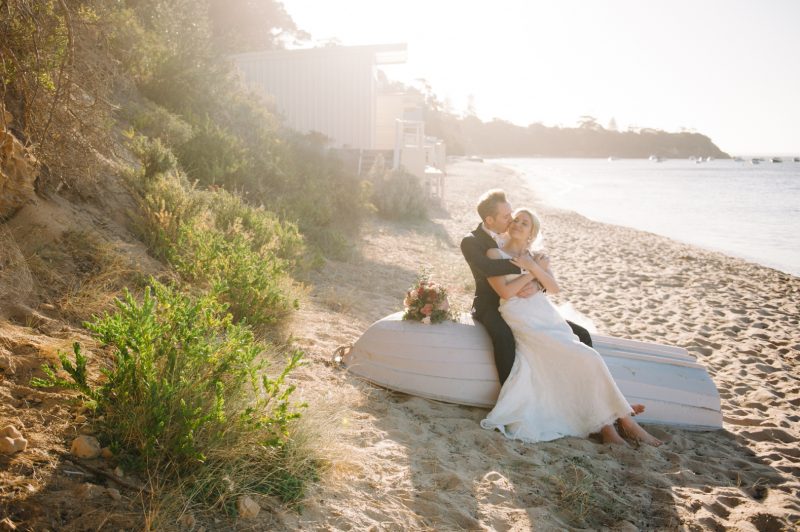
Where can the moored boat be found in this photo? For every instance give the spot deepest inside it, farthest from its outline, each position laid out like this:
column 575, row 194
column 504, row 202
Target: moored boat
column 453, row 362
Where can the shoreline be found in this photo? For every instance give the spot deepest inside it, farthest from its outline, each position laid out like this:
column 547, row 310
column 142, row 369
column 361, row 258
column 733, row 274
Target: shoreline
column 403, row 462
column 786, row 267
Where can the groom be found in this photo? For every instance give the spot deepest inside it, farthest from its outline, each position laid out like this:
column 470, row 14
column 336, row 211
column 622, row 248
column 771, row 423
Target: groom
column 495, row 211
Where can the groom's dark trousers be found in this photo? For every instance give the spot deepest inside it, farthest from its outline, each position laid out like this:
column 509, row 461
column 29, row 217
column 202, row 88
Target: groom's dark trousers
column 486, row 302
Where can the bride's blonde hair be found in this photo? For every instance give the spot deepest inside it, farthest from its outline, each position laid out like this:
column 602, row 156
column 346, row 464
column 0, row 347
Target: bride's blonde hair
column 535, row 222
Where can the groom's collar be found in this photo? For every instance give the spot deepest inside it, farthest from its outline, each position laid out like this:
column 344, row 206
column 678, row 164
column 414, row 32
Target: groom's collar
column 489, row 231
column 494, row 236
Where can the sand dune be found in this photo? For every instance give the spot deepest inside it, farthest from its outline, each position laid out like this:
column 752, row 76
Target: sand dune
column 402, row 462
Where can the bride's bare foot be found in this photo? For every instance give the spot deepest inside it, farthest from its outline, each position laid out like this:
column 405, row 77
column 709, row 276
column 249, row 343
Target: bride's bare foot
column 637, row 409
column 610, row 435
column 634, row 431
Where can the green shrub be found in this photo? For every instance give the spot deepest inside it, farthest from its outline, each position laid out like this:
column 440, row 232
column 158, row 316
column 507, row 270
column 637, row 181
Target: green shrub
column 242, row 254
column 183, row 370
column 213, row 156
column 155, row 121
column 155, row 157
column 263, row 227
column 254, row 284
column 77, row 373
column 399, row 195
column 166, row 204
column 188, row 390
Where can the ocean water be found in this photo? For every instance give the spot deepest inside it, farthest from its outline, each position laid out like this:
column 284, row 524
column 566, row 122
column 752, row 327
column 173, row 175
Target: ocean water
column 737, row 208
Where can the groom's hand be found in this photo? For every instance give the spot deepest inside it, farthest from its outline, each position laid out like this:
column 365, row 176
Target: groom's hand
column 528, row 290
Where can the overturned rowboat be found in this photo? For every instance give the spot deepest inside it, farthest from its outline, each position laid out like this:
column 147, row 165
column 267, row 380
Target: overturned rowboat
column 453, row 362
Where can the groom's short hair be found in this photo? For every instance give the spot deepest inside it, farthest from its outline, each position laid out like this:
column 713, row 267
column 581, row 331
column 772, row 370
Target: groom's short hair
column 488, row 202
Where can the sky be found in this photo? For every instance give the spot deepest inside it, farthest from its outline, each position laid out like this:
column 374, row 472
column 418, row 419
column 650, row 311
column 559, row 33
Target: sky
column 729, row 69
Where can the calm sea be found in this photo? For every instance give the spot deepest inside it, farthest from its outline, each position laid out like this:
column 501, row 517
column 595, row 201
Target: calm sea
column 737, row 208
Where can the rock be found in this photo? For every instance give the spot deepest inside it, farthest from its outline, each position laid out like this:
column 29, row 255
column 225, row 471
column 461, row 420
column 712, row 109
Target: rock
column 87, row 490
column 80, row 419
column 248, row 508
column 114, row 494
column 10, row 431
column 11, row 440
column 18, row 171
column 106, row 453
column 7, row 445
column 187, row 521
column 85, row 447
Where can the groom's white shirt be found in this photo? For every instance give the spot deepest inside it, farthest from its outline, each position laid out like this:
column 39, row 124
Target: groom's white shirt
column 499, row 240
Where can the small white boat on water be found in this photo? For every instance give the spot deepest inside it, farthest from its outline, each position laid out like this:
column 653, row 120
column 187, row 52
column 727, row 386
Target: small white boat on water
column 453, row 362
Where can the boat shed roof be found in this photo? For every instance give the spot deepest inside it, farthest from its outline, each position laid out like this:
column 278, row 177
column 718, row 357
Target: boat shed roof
column 383, row 54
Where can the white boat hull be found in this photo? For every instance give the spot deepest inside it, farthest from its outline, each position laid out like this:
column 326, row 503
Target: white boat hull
column 453, row 362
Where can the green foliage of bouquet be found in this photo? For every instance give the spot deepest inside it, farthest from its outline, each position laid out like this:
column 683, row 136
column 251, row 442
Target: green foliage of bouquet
column 427, row 302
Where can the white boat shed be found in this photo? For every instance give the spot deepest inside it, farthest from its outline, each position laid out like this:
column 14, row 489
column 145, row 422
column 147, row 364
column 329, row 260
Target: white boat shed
column 337, row 91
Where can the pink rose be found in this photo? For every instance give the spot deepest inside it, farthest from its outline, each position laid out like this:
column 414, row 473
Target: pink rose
column 427, row 309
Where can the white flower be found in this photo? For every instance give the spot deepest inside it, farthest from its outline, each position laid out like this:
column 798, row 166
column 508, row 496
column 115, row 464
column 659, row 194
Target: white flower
column 426, row 320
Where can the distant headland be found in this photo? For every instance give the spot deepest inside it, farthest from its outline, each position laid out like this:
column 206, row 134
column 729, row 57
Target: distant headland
column 498, row 138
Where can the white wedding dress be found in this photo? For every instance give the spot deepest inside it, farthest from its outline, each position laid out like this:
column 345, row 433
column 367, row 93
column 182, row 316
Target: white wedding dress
column 557, row 386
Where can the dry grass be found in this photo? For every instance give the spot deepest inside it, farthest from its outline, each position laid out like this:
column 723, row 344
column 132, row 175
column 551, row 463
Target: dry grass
column 183, row 505
column 338, row 299
column 585, row 498
column 92, row 292
column 16, row 281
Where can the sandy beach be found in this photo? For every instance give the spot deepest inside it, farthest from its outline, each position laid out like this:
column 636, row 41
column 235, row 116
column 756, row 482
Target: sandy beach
column 398, row 462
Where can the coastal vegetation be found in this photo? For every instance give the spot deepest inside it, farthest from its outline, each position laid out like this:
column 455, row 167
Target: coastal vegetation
column 184, row 378
column 469, row 135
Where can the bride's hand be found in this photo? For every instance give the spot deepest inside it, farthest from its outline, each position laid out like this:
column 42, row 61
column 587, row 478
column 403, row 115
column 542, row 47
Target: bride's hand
column 524, row 261
column 542, row 260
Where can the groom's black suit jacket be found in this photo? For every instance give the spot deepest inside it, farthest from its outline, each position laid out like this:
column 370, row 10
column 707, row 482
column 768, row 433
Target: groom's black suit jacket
column 474, row 247
column 486, row 302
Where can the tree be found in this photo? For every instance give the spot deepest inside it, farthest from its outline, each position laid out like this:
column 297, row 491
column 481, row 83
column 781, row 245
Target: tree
column 588, row 122
column 248, row 25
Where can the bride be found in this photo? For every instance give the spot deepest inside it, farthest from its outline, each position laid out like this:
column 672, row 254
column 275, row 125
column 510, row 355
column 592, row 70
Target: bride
column 557, row 386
